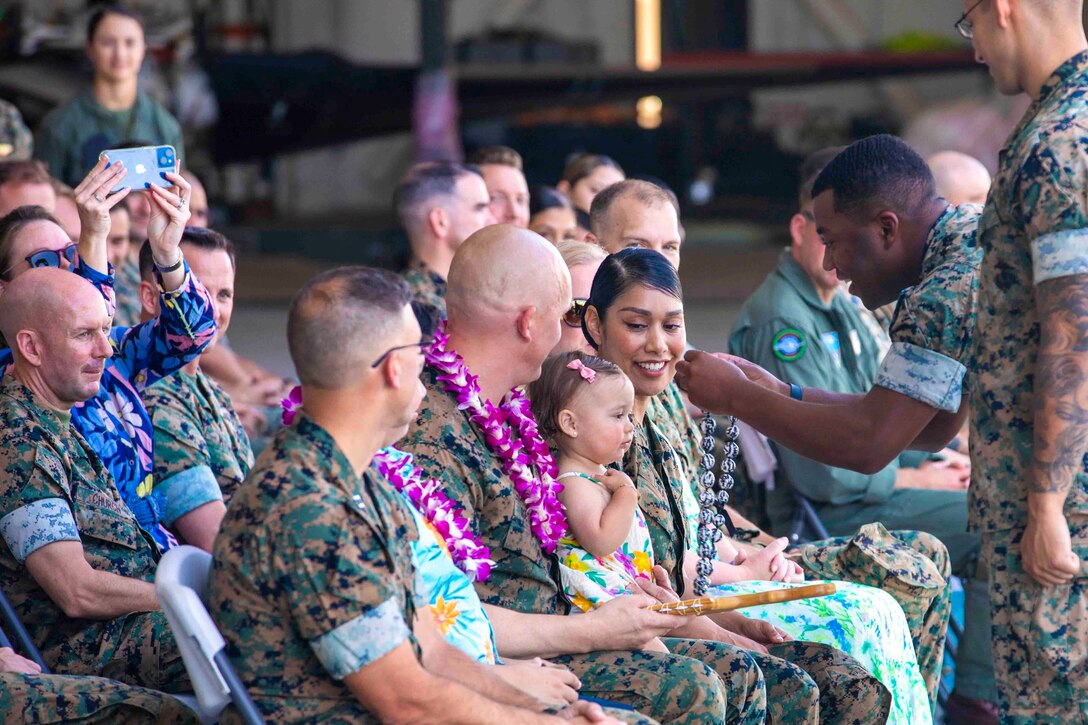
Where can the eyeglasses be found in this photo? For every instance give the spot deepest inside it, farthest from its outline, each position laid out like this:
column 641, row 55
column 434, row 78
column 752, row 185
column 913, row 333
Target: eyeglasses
column 423, row 345
column 573, row 316
column 46, row 258
column 964, row 26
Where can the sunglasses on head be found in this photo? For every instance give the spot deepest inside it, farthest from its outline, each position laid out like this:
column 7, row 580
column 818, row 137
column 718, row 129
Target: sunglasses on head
column 573, row 316
column 47, row 258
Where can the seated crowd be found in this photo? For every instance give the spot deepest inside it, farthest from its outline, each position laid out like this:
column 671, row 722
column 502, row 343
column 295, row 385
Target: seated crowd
column 489, row 470
column 408, row 547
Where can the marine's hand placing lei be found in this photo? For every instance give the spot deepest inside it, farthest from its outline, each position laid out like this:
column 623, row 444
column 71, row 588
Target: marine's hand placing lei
column 512, row 435
column 465, row 548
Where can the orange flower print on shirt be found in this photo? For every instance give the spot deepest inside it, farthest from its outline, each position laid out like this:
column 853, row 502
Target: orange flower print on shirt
column 445, row 614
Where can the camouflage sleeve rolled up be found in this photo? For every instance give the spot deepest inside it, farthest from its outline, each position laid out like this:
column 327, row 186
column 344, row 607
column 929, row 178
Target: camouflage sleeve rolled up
column 922, row 374
column 339, row 588
column 183, row 465
column 933, row 325
column 154, row 349
column 34, row 509
column 1051, row 188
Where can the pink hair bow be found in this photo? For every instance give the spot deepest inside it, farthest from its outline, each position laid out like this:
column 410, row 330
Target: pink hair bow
column 588, row 374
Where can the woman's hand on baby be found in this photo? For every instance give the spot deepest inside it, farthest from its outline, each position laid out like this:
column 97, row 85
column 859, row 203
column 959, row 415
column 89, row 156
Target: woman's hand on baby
column 614, row 480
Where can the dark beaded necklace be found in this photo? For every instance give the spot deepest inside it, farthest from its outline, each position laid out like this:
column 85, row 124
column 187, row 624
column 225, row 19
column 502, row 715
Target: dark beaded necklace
column 714, row 496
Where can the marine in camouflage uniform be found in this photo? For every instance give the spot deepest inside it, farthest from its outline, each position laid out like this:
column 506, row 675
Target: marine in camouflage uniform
column 912, row 566
column 197, row 435
column 16, row 143
column 64, row 698
column 427, row 286
column 55, row 488
column 312, row 578
column 1033, row 230
column 669, row 688
column 805, row 680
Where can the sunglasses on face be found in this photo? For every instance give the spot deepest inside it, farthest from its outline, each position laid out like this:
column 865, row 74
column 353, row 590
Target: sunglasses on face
column 47, row 258
column 573, row 316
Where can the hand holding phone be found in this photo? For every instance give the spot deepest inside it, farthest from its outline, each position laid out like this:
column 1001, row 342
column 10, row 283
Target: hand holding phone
column 146, row 166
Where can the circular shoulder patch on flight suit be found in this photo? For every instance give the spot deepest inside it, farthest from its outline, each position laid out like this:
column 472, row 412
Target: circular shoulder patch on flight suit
column 788, row 345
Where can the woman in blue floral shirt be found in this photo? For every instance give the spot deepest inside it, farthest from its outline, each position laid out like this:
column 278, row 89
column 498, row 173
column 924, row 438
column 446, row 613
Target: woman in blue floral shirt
column 115, row 422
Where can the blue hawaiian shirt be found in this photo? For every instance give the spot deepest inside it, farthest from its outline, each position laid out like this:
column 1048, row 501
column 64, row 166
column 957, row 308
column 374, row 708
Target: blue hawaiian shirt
column 115, row 422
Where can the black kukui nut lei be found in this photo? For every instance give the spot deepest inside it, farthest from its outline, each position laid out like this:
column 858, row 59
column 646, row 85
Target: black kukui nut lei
column 713, row 497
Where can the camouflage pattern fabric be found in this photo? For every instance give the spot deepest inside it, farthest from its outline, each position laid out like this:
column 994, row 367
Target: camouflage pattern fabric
column 657, row 473
column 115, row 421
column 55, row 488
column 427, row 286
column 16, row 142
column 668, row 688
column 905, row 568
column 197, row 433
column 46, row 699
column 934, row 320
column 912, row 566
column 1031, row 231
column 312, row 578
column 1040, row 633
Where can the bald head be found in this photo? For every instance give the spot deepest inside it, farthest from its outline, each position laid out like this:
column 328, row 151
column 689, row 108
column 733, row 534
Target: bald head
column 58, row 327
column 502, row 269
column 961, row 179
column 41, row 296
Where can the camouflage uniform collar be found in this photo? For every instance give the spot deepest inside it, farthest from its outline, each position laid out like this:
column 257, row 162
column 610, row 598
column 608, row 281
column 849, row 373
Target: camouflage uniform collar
column 1064, row 75
column 795, row 275
column 56, row 422
column 332, row 467
column 945, row 235
column 418, row 265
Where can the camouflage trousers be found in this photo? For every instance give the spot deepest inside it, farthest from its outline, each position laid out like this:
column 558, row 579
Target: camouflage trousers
column 1040, row 633
column 671, row 688
column 806, row 682
column 61, row 698
column 912, row 566
column 136, row 649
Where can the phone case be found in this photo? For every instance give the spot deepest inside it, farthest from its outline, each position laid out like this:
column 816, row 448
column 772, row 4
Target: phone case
column 145, row 165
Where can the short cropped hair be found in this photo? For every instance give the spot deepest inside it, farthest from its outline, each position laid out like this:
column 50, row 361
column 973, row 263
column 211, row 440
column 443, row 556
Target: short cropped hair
column 12, row 223
column 423, row 183
column 644, row 192
column 878, row 170
column 339, row 319
column 24, row 171
column 199, row 237
column 811, row 167
column 498, row 155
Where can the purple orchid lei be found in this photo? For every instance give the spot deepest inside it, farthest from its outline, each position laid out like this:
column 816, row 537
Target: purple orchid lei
column 512, row 435
column 465, row 548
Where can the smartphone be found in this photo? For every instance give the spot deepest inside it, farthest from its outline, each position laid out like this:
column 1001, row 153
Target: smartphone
column 145, row 165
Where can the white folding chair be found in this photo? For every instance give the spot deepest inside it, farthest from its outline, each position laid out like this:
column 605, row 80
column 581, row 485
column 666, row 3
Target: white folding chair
column 181, row 581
